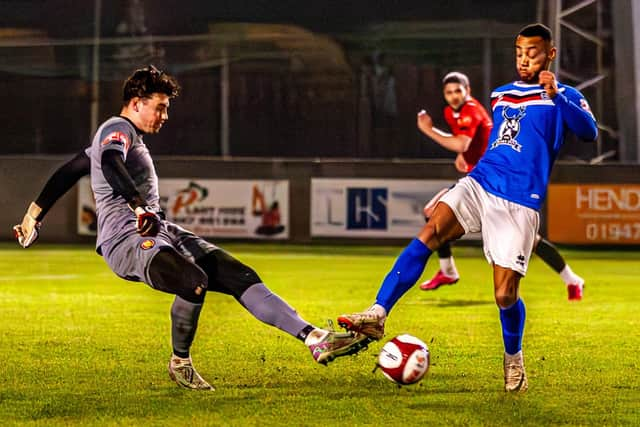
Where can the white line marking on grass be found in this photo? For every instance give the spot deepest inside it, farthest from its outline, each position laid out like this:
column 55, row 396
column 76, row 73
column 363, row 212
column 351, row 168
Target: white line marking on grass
column 41, row 277
column 261, row 255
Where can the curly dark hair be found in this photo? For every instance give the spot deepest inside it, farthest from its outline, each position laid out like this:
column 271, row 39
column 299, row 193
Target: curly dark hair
column 146, row 81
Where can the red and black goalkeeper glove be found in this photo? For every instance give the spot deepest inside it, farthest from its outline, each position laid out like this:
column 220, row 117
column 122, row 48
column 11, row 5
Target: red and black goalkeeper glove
column 148, row 222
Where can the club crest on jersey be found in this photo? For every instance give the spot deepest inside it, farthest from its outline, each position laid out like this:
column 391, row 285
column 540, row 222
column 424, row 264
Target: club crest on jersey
column 147, row 244
column 509, row 129
column 464, row 121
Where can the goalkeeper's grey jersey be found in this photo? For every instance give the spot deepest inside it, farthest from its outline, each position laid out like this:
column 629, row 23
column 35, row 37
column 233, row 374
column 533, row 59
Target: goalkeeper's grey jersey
column 115, row 218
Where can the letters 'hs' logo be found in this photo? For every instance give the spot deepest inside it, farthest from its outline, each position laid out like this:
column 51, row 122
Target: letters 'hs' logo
column 366, row 208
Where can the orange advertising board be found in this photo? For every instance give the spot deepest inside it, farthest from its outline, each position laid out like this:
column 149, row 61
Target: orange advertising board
column 594, row 213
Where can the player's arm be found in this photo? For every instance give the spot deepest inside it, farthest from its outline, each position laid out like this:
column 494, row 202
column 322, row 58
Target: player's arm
column 577, row 118
column 455, row 143
column 116, row 174
column 57, row 185
column 574, row 108
column 461, row 164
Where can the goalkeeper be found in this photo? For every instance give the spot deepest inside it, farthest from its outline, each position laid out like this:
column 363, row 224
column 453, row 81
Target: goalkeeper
column 139, row 245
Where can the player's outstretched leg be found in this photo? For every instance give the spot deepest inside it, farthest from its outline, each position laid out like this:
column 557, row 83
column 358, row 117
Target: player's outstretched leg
column 550, row 255
column 326, row 345
column 369, row 323
column 228, row 275
column 447, row 275
column 404, row 274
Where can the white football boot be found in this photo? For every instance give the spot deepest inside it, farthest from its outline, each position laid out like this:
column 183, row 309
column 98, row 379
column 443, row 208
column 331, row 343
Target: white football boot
column 515, row 378
column 369, row 323
column 185, row 375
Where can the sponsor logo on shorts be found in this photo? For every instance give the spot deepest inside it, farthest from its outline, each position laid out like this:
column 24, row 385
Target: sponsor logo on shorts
column 520, row 260
column 147, row 244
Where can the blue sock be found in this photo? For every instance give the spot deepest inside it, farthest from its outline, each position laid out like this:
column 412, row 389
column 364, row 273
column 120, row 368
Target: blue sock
column 404, row 274
column 512, row 320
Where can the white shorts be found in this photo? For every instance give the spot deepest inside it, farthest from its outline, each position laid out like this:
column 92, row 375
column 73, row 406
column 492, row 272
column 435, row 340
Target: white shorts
column 431, row 204
column 508, row 229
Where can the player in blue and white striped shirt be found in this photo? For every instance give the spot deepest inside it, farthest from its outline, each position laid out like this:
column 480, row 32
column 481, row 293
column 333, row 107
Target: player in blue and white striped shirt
column 501, row 196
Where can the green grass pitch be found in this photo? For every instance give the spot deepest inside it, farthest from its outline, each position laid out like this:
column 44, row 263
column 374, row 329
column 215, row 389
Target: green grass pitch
column 81, row 347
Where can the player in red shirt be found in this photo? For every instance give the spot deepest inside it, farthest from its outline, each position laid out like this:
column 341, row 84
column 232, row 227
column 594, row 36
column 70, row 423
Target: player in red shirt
column 470, row 125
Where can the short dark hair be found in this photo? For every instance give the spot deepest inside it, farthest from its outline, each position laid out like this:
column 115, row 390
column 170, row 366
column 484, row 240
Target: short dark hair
column 456, row 77
column 146, row 81
column 537, row 29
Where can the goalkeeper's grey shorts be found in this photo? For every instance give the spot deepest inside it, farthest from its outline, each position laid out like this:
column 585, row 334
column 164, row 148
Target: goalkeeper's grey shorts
column 129, row 254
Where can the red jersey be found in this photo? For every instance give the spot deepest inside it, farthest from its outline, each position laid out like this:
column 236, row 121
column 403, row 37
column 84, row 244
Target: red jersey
column 474, row 121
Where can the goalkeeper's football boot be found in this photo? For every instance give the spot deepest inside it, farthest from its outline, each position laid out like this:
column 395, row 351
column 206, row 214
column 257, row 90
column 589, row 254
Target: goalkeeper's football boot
column 326, row 345
column 515, row 378
column 438, row 280
column 369, row 323
column 185, row 375
column 575, row 291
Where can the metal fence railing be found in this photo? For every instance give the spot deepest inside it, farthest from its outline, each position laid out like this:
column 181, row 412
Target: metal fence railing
column 269, row 90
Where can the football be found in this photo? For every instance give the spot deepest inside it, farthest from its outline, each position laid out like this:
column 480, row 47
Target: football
column 404, row 359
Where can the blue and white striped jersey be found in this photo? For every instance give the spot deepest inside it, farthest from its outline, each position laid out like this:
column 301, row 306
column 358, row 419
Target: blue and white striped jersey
column 528, row 131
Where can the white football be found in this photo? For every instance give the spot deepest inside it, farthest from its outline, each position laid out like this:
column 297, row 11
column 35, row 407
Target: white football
column 404, row 359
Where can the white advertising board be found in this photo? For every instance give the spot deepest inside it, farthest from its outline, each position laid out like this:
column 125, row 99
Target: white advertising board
column 212, row 208
column 370, row 207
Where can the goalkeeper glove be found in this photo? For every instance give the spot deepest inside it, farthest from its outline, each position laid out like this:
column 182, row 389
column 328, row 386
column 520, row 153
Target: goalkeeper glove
column 148, row 221
column 28, row 231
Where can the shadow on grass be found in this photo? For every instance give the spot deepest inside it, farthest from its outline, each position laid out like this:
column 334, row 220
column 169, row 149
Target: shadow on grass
column 451, row 303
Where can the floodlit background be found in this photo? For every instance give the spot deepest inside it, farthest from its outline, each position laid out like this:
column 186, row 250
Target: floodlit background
column 305, row 111
column 295, row 79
